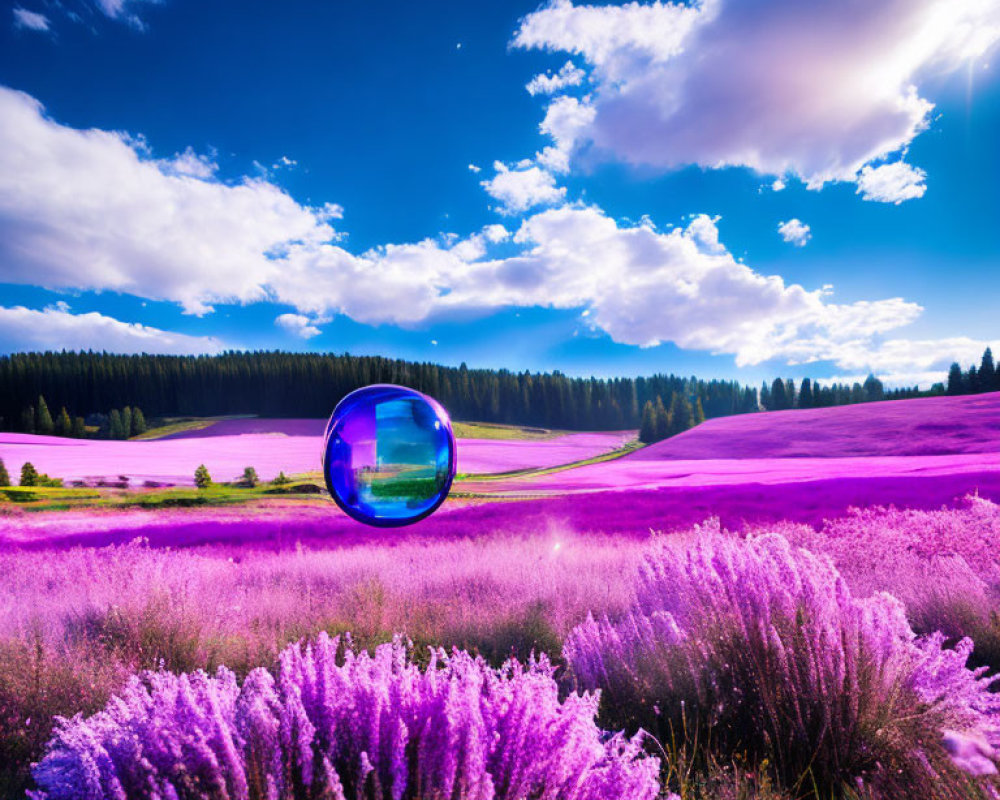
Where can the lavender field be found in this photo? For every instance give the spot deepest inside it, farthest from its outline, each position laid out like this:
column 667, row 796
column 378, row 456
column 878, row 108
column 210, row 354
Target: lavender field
column 721, row 615
column 272, row 446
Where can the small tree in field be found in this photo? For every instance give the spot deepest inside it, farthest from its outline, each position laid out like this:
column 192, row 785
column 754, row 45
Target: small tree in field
column 79, row 428
column 250, row 477
column 29, row 475
column 4, row 475
column 201, row 477
column 281, row 480
column 138, row 421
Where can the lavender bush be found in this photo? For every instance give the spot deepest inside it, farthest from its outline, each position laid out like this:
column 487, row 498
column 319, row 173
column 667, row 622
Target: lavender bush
column 763, row 648
column 338, row 724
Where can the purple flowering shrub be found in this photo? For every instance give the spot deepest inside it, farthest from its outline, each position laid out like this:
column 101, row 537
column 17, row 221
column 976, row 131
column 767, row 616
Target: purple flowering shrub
column 763, row 648
column 944, row 565
column 336, row 723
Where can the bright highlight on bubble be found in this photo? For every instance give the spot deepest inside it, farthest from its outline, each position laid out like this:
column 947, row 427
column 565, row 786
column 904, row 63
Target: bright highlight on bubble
column 389, row 455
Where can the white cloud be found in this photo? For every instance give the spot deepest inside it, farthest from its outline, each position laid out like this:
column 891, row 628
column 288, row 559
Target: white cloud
column 795, row 231
column 566, row 121
column 778, row 185
column 56, row 328
column 123, row 10
column 811, row 90
column 31, row 20
column 496, row 233
column 892, row 183
column 474, row 169
column 908, row 362
column 568, row 75
column 522, row 188
column 189, row 163
column 299, row 325
column 92, row 210
column 86, row 209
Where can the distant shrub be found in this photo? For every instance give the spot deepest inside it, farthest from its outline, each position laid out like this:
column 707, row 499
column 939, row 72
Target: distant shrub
column 201, row 477
column 4, row 475
column 339, row 724
column 249, row 478
column 29, row 475
column 281, row 480
column 763, row 648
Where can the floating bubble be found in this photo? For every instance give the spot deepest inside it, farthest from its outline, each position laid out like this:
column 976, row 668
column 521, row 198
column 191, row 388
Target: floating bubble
column 389, row 455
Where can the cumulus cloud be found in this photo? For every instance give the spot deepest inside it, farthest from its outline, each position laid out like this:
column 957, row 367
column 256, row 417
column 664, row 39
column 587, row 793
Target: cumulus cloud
column 57, row 328
column 86, row 209
column 522, row 188
column 93, row 210
column 568, row 75
column 298, row 325
column 30, row 20
column 892, row 183
column 795, row 231
column 566, row 121
column 815, row 90
column 189, row 163
column 909, row 362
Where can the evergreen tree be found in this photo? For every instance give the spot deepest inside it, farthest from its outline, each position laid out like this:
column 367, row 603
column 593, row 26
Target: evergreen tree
column 988, row 372
column 4, row 475
column 681, row 413
column 64, row 425
column 28, row 420
column 138, row 421
column 779, row 397
column 43, row 419
column 201, row 477
column 126, row 422
column 661, row 418
column 791, row 397
column 647, row 429
column 955, row 380
column 115, row 429
column 765, row 398
column 972, row 381
column 79, row 428
column 873, row 389
column 29, row 475
column 806, row 394
column 249, row 477
column 699, row 412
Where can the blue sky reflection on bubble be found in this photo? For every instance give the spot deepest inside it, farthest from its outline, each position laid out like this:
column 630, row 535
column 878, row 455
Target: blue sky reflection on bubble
column 718, row 188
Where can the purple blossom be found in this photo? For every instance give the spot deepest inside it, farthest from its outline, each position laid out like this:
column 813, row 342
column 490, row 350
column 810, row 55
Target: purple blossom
column 342, row 724
column 764, row 644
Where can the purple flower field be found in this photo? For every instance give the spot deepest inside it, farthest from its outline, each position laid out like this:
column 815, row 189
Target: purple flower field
column 293, row 446
column 772, row 628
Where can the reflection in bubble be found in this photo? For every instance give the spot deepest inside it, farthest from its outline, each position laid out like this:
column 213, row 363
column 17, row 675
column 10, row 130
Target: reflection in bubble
column 389, row 455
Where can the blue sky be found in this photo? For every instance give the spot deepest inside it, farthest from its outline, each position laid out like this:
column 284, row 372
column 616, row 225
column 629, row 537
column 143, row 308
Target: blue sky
column 726, row 189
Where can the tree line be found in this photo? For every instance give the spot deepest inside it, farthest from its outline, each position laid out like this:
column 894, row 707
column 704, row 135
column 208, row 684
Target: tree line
column 85, row 385
column 118, row 424
column 281, row 384
column 974, row 381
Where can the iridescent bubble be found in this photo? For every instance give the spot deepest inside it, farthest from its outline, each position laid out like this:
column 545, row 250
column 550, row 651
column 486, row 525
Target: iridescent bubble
column 389, row 455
